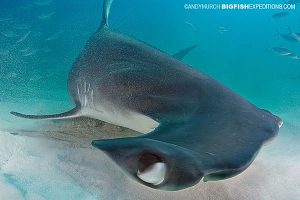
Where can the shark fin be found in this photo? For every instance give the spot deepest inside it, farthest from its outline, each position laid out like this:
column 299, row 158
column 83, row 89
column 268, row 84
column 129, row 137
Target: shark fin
column 181, row 54
column 75, row 112
column 105, row 13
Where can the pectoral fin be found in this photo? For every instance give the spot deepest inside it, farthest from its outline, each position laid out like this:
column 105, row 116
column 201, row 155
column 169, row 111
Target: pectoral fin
column 181, row 54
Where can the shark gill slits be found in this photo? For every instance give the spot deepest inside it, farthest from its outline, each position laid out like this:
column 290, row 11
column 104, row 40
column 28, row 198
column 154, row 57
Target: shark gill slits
column 151, row 169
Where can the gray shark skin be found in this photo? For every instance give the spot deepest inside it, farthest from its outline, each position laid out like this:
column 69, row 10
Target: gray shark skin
column 220, row 140
column 197, row 128
column 113, row 81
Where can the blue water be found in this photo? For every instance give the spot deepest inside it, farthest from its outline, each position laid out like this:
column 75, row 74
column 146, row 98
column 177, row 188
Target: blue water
column 33, row 72
column 239, row 58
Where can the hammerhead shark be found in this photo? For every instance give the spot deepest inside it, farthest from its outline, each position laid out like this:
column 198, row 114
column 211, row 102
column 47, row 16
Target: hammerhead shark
column 195, row 127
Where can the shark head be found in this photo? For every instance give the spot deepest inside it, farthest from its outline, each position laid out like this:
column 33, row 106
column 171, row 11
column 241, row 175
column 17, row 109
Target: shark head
column 153, row 163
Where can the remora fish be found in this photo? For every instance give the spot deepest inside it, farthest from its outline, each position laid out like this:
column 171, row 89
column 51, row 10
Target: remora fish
column 199, row 128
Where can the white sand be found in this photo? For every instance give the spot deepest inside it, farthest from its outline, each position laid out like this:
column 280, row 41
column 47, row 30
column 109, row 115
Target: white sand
column 39, row 168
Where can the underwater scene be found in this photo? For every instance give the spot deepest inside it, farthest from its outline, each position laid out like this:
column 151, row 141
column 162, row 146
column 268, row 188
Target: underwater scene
column 141, row 100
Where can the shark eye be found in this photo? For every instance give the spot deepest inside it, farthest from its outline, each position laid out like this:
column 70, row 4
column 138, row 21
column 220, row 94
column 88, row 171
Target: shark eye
column 151, row 169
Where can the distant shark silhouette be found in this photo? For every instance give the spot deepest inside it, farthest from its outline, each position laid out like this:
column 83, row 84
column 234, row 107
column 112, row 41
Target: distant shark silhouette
column 196, row 126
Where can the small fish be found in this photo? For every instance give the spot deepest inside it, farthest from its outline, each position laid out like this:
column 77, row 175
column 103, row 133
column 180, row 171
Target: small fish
column 191, row 25
column 54, row 36
column 42, row 2
column 25, row 50
column 9, row 34
column 221, row 29
column 288, row 37
column 293, row 56
column 30, row 52
column 46, row 16
column 294, row 34
column 24, row 37
column 279, row 15
column 283, row 52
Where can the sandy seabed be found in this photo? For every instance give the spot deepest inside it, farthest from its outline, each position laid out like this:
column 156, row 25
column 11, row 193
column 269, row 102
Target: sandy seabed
column 51, row 165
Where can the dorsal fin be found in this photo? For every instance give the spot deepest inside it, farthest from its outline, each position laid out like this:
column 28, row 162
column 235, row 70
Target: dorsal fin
column 105, row 13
